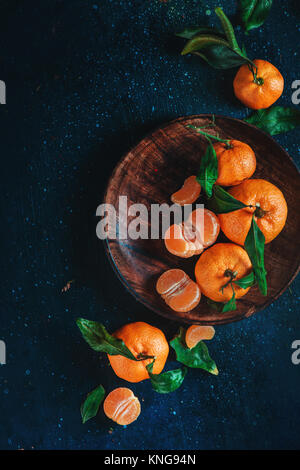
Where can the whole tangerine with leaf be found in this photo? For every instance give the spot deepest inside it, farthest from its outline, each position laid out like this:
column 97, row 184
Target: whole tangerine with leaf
column 258, row 86
column 217, row 269
column 236, row 162
column 144, row 341
column 263, row 200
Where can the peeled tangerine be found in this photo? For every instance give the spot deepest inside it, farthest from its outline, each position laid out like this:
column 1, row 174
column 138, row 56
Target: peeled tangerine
column 193, row 236
column 178, row 290
column 122, row 406
column 196, row 333
column 189, row 192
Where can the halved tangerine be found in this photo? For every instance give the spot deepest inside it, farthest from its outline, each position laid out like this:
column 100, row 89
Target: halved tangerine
column 178, row 290
column 122, row 406
column 207, row 224
column 176, row 242
column 188, row 193
column 196, row 333
column 191, row 237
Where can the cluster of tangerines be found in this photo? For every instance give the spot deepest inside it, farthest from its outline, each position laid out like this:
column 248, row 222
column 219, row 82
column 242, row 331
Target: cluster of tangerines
column 219, row 263
column 223, row 262
column 121, row 405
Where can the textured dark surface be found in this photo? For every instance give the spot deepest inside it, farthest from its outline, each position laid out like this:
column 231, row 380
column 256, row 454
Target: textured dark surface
column 85, row 81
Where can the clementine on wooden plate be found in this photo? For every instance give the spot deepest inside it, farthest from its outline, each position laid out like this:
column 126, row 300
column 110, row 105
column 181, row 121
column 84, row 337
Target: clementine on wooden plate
column 268, row 205
column 217, row 265
column 236, row 162
column 191, row 237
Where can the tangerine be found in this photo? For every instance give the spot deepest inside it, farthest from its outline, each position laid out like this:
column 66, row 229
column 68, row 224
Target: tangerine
column 260, row 89
column 141, row 339
column 268, row 205
column 122, row 406
column 236, row 162
column 217, row 266
column 191, row 237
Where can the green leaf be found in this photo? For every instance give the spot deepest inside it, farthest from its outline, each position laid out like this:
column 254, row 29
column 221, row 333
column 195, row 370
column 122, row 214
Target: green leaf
column 231, row 304
column 208, row 171
column 255, row 246
column 222, row 202
column 189, row 33
column 245, row 282
column 254, row 12
column 221, row 57
column 276, row 119
column 201, row 41
column 100, row 340
column 197, row 357
column 222, row 307
column 218, row 306
column 228, row 30
column 90, row 406
column 168, row 381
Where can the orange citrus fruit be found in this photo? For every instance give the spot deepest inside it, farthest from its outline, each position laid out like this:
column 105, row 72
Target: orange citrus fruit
column 142, row 340
column 178, row 290
column 122, row 406
column 261, row 91
column 217, row 265
column 268, row 205
column 191, row 237
column 196, row 333
column 206, row 226
column 236, row 162
column 189, row 192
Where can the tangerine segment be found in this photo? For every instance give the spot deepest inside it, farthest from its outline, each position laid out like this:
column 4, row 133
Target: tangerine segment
column 271, row 215
column 122, row 406
column 141, row 339
column 176, row 243
column 206, row 224
column 212, row 270
column 178, row 290
column 235, row 163
column 196, row 333
column 189, row 192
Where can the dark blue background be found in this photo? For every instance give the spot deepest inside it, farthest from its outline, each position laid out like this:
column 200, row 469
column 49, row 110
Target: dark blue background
column 86, row 79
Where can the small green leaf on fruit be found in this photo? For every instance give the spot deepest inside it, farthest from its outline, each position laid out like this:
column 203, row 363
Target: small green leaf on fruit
column 245, row 282
column 208, row 171
column 100, row 340
column 167, row 381
column 222, row 202
column 255, row 246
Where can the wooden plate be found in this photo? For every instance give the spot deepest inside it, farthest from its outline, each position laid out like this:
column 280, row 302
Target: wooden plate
column 155, row 169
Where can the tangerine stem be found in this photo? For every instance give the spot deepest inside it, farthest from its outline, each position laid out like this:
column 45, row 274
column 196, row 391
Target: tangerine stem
column 142, row 357
column 210, row 136
column 232, row 275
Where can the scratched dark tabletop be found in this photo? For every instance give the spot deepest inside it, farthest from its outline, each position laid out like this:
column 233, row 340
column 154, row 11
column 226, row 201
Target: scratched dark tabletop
column 86, row 79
